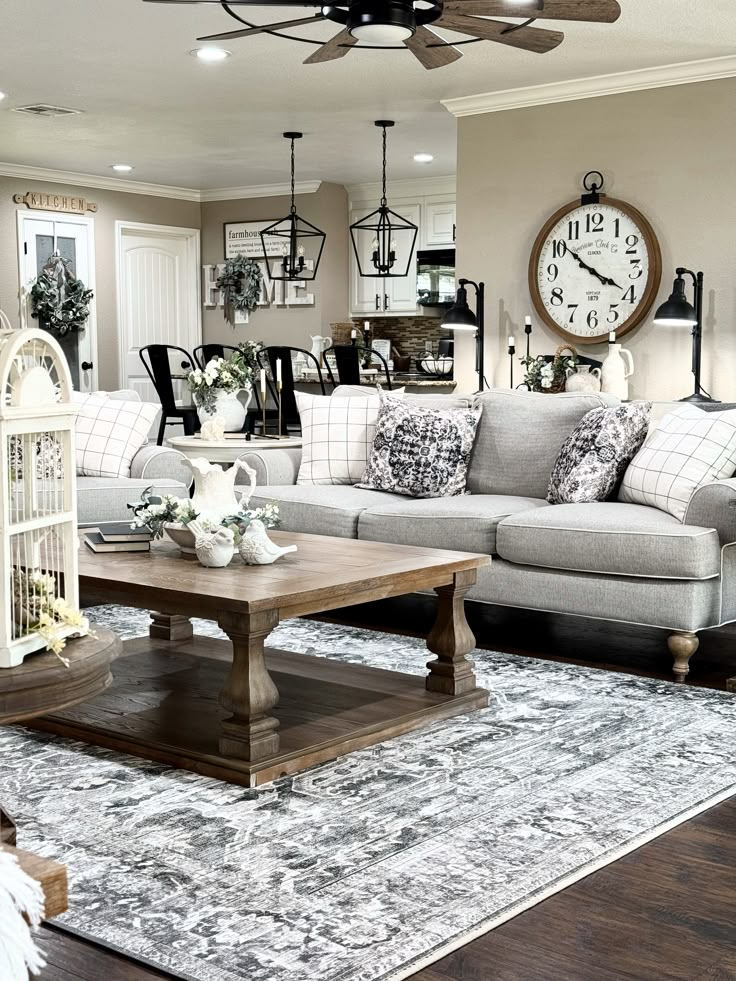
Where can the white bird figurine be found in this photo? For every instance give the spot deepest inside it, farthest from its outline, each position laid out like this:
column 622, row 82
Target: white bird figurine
column 256, row 548
column 214, row 548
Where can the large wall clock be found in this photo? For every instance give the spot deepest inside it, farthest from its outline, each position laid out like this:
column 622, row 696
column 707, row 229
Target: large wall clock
column 595, row 267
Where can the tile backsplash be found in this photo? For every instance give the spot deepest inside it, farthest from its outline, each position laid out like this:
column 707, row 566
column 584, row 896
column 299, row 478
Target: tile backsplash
column 408, row 335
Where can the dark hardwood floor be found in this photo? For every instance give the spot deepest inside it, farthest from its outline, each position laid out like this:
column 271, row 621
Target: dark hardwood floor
column 667, row 911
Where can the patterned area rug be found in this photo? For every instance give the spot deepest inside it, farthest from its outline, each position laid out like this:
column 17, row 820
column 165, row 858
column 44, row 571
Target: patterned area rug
column 369, row 868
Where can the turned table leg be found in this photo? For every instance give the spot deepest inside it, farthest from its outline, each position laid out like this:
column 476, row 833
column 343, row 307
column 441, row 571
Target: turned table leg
column 168, row 626
column 451, row 639
column 7, row 828
column 249, row 692
column 682, row 645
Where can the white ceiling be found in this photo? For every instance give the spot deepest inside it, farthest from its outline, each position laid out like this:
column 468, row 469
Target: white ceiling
column 147, row 102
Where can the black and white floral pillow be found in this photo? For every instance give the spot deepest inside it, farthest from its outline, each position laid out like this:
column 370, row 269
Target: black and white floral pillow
column 595, row 455
column 421, row 452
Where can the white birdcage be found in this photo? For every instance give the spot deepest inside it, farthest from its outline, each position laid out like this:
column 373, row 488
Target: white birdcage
column 38, row 522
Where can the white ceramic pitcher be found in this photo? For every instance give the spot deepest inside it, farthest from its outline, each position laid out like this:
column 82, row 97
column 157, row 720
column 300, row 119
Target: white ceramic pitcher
column 617, row 369
column 583, row 379
column 319, row 346
column 214, row 489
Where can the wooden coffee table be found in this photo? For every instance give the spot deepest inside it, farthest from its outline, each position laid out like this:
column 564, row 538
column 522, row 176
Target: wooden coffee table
column 238, row 711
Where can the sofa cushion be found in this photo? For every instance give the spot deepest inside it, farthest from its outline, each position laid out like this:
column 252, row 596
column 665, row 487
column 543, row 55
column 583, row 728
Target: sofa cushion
column 466, row 524
column 102, row 499
column 317, row 509
column 519, row 437
column 610, row 539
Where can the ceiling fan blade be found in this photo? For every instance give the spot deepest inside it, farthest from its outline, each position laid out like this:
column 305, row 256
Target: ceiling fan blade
column 529, row 38
column 248, row 31
column 337, row 47
column 431, row 57
column 602, row 11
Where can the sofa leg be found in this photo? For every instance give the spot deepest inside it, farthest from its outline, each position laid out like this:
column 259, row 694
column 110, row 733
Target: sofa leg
column 682, row 646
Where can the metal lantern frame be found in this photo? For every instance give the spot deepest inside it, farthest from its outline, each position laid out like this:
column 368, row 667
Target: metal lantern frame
column 384, row 225
column 38, row 516
column 293, row 229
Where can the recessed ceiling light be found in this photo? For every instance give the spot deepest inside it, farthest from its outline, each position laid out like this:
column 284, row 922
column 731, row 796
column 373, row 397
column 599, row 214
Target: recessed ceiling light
column 210, row 54
column 122, row 168
column 423, row 158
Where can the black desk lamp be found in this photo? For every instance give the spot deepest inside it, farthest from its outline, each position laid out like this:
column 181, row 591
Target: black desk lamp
column 461, row 317
column 679, row 312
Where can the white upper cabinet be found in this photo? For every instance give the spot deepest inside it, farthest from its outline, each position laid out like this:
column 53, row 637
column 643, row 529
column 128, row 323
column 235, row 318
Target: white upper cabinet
column 438, row 224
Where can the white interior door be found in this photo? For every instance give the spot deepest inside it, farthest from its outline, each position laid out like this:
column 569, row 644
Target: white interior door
column 158, row 299
column 39, row 236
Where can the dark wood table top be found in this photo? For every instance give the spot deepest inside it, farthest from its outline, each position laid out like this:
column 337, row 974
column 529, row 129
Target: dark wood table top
column 325, row 572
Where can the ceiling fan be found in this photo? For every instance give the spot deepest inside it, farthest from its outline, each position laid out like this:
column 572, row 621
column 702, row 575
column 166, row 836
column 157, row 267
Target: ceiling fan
column 405, row 24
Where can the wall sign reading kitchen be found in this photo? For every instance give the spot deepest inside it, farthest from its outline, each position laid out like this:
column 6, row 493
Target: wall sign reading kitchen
column 67, row 203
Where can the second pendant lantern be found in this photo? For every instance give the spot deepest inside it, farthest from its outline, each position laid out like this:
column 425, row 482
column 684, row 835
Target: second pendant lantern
column 383, row 241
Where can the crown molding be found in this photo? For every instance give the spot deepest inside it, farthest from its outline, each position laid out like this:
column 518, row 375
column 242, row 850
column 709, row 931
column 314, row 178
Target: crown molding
column 683, row 73
column 24, row 172
column 258, row 191
column 44, row 174
column 415, row 187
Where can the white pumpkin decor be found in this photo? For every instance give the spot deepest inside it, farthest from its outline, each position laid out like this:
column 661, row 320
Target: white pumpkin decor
column 38, row 525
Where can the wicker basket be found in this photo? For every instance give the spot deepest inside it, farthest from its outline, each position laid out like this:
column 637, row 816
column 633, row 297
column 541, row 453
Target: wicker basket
column 559, row 385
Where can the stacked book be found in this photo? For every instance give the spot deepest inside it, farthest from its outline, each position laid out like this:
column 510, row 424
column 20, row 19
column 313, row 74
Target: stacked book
column 118, row 538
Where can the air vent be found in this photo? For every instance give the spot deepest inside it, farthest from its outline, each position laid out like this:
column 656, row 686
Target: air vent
column 43, row 110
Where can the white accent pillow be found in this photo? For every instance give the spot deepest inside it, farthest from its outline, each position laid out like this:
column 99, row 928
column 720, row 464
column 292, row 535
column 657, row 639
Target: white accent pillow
column 109, row 433
column 337, row 436
column 688, row 448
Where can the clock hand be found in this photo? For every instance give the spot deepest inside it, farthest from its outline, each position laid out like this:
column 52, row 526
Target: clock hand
column 603, row 279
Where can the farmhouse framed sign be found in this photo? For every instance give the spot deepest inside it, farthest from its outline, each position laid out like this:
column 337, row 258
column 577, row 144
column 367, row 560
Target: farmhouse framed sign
column 244, row 238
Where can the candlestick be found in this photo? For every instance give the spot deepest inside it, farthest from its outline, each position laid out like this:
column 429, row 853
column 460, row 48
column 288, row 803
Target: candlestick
column 612, row 337
column 278, row 371
column 512, row 352
column 263, row 398
column 528, row 332
column 279, row 388
column 353, row 336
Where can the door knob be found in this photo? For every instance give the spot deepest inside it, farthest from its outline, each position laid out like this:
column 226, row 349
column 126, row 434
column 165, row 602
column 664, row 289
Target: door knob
column 87, row 365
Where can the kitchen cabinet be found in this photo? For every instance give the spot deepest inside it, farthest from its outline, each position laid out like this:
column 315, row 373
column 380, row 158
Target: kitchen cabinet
column 438, row 224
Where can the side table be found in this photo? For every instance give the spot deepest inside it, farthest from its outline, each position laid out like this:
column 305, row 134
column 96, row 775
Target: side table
column 226, row 451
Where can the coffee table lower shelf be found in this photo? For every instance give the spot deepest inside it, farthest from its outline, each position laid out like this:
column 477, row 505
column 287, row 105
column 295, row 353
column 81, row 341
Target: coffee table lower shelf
column 163, row 706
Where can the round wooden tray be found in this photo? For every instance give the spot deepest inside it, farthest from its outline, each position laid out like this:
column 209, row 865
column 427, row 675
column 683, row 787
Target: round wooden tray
column 42, row 684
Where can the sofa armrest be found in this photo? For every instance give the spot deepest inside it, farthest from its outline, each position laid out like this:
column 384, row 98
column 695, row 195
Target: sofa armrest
column 714, row 506
column 154, row 462
column 272, row 467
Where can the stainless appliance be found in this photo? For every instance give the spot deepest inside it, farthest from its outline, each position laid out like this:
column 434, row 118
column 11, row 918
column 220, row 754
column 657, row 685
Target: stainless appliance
column 436, row 277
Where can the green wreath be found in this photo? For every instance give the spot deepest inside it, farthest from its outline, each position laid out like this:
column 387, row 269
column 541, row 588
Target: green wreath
column 241, row 283
column 60, row 301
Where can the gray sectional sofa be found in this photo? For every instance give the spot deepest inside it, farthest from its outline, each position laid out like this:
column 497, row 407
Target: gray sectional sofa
column 609, row 561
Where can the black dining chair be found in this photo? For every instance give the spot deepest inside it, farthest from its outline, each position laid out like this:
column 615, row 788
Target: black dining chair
column 268, row 357
column 157, row 360
column 206, row 352
column 348, row 361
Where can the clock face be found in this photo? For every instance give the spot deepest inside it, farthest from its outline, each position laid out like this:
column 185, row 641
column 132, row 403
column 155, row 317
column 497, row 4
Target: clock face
column 594, row 268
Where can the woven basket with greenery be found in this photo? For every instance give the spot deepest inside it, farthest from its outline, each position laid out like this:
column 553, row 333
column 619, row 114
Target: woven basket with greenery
column 547, row 376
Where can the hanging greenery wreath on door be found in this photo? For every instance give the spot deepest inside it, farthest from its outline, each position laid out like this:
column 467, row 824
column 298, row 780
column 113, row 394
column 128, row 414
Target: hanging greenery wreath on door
column 241, row 282
column 60, row 301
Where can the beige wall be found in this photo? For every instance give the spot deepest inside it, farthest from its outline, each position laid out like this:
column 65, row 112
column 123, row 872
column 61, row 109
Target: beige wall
column 112, row 206
column 328, row 209
column 670, row 152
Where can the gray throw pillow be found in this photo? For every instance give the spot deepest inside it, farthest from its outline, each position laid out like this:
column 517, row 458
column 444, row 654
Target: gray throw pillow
column 420, row 452
column 595, row 455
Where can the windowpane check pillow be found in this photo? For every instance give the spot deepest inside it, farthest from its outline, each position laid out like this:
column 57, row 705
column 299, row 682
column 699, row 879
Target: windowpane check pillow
column 337, row 435
column 688, row 448
column 420, row 452
column 109, row 433
column 595, row 455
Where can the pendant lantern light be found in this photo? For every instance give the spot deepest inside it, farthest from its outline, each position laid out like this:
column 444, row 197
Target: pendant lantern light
column 383, row 241
column 301, row 241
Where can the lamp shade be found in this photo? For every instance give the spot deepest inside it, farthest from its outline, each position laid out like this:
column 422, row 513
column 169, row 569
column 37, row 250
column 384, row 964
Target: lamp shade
column 677, row 311
column 460, row 316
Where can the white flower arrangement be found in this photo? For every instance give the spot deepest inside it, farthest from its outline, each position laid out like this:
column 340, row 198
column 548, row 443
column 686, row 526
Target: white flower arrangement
column 41, row 611
column 219, row 375
column 154, row 513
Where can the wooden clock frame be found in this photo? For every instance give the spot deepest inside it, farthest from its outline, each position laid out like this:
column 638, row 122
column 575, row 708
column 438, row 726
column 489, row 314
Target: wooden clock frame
column 653, row 281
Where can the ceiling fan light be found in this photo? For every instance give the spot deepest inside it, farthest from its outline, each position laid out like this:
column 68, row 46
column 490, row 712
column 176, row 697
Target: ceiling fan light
column 381, row 33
